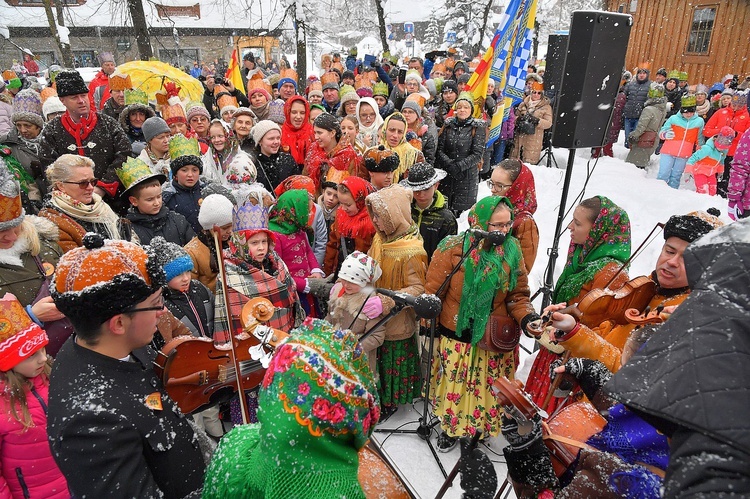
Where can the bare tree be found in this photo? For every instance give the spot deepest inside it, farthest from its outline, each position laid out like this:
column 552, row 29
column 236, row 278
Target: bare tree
column 62, row 44
column 381, row 24
column 140, row 27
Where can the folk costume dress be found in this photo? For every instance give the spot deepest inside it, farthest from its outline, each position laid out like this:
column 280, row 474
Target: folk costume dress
column 589, row 266
column 401, row 255
column 491, row 281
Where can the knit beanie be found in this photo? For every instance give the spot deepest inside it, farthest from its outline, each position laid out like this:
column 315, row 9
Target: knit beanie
column 152, row 127
column 692, row 226
column 183, row 152
column 276, row 111
column 101, row 279
column 227, row 109
column 70, row 82
column 244, row 111
column 413, row 105
column 282, row 81
column 701, row 89
column 727, row 91
column 172, row 258
column 197, row 109
column 27, row 106
column 262, row 128
column 260, row 90
column 360, row 269
column 739, row 99
column 724, row 139
column 313, row 93
column 320, row 405
column 20, row 337
column 450, row 85
column 465, row 96
column 52, row 105
column 11, row 210
column 215, row 209
column 105, row 57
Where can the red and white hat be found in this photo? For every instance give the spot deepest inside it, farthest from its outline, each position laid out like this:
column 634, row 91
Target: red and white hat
column 20, row 337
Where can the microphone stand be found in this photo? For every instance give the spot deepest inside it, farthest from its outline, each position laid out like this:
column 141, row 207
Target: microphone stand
column 427, row 423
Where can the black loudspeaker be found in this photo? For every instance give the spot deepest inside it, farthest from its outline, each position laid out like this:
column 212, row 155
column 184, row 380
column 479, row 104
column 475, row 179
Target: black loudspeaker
column 557, row 45
column 593, row 66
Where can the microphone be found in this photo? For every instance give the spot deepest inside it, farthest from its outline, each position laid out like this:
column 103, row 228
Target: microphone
column 495, row 238
column 425, row 306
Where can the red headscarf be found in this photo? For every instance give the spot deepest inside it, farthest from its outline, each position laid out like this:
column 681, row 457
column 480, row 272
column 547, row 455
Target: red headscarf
column 297, row 140
column 360, row 224
column 523, row 195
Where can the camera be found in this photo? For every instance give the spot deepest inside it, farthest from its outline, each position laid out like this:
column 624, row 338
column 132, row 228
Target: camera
column 220, row 80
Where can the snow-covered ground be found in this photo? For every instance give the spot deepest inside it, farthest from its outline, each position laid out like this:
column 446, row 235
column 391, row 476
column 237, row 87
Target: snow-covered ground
column 647, row 201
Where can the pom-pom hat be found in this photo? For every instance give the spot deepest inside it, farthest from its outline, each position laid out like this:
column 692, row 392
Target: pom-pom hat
column 173, row 258
column 101, row 279
column 20, row 337
column 11, row 209
column 692, row 226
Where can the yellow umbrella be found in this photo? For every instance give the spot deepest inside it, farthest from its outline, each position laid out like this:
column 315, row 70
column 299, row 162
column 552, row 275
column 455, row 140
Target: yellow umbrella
column 150, row 77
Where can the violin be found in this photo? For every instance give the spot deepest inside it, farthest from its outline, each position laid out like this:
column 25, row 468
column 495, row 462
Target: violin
column 648, row 316
column 198, row 373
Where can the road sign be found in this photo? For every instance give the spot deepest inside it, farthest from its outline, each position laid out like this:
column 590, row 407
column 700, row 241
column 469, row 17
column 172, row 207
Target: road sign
column 409, row 43
column 408, row 37
column 408, row 27
column 450, row 37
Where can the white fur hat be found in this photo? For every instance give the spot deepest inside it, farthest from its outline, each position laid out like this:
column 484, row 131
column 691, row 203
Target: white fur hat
column 215, row 210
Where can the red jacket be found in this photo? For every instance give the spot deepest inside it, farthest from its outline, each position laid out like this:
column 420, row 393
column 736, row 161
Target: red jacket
column 28, row 469
column 100, row 79
column 739, row 121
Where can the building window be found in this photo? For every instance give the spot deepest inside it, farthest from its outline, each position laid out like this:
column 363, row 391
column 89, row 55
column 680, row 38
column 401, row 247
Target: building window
column 700, row 30
column 84, row 59
column 179, row 57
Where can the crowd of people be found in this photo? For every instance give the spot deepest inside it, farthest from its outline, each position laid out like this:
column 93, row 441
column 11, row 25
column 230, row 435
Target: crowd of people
column 128, row 220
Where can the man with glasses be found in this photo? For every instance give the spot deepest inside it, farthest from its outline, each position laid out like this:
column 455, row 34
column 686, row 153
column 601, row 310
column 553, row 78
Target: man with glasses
column 86, row 133
column 112, row 428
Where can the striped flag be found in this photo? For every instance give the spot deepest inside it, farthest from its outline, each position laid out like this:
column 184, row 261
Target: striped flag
column 233, row 73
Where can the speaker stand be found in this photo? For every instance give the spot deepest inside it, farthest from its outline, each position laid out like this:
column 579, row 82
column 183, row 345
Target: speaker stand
column 550, row 157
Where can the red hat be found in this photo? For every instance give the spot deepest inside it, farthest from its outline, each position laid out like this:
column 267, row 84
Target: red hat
column 20, row 337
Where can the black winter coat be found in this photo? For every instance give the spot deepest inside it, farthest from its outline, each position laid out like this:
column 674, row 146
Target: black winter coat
column 195, row 308
column 27, row 153
column 460, row 149
column 107, row 145
column 274, row 169
column 209, row 100
column 167, row 223
column 112, row 110
column 436, row 222
column 675, row 97
column 105, row 439
column 690, row 380
column 184, row 201
column 636, row 93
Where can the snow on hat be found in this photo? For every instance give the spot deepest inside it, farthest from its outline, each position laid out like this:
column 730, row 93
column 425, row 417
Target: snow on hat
column 318, row 394
column 197, row 109
column 687, row 101
column 739, row 99
column 262, row 128
column 52, row 105
column 413, row 105
column 450, row 85
column 276, row 111
column 135, row 171
column 360, row 269
column 724, row 138
column 27, row 106
column 380, row 159
column 11, row 210
column 243, row 111
column 423, row 176
column 70, row 82
column 727, row 91
column 662, row 71
column 152, row 127
column 692, row 226
column 20, row 337
column 215, row 209
column 174, row 260
column 101, row 279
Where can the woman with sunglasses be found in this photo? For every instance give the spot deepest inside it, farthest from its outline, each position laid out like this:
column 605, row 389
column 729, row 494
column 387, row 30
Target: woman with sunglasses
column 536, row 108
column 74, row 206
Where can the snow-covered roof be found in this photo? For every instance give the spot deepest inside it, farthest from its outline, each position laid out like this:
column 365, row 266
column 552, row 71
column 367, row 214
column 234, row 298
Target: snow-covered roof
column 235, row 14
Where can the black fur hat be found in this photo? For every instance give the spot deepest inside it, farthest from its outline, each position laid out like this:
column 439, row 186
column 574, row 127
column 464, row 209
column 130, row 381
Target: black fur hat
column 70, row 82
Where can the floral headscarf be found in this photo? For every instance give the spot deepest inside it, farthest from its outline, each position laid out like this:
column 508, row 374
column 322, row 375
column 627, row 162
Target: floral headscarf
column 608, row 241
column 485, row 273
column 523, row 193
column 291, row 212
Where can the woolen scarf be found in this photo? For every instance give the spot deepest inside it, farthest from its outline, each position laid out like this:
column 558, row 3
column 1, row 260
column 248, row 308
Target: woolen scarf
column 608, row 241
column 81, row 130
column 98, row 213
column 485, row 271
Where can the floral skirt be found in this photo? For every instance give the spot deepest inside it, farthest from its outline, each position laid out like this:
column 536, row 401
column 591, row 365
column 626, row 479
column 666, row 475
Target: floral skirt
column 462, row 376
column 398, row 363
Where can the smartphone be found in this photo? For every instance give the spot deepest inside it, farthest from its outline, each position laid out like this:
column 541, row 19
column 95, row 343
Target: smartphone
column 402, row 75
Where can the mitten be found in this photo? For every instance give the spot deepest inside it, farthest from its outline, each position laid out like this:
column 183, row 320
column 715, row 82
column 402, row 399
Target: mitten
column 320, row 287
column 527, row 457
column 532, row 320
column 521, row 437
column 478, row 476
column 373, row 307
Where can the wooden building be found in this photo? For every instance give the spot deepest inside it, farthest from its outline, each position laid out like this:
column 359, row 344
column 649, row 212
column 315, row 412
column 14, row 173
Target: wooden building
column 706, row 38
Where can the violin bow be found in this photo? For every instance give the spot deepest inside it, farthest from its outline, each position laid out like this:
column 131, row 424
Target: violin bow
column 224, row 292
column 645, row 243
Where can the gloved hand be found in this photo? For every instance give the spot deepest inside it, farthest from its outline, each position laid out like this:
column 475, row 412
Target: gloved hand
column 591, row 374
column 633, row 138
column 534, row 119
column 522, row 437
column 373, row 307
column 532, row 320
column 527, row 458
column 478, row 476
column 320, row 287
column 734, row 211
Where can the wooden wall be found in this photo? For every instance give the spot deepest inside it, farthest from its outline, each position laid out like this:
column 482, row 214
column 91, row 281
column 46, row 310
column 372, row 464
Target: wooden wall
column 661, row 29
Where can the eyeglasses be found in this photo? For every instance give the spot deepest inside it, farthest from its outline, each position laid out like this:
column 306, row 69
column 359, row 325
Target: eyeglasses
column 84, row 183
column 497, row 185
column 155, row 308
column 537, row 93
column 506, row 225
column 366, row 115
column 686, row 111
